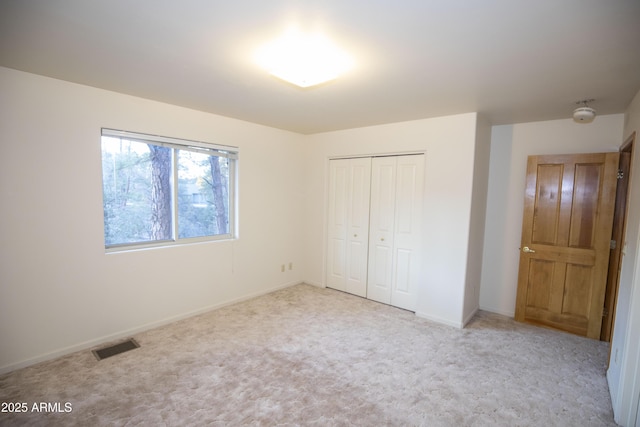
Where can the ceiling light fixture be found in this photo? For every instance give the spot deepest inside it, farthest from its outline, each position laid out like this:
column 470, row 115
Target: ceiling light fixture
column 303, row 59
column 584, row 114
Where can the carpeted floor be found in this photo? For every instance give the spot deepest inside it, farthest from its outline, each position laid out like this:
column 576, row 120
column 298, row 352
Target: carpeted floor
column 312, row 356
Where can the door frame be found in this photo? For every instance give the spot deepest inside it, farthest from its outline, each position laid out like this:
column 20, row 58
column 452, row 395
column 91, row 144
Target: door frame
column 620, row 224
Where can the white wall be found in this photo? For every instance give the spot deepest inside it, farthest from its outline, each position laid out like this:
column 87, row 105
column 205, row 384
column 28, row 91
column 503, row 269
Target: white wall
column 510, row 146
column 449, row 146
column 59, row 291
column 624, row 370
column 478, row 218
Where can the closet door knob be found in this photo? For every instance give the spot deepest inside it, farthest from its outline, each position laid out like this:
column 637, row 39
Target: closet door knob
column 382, row 239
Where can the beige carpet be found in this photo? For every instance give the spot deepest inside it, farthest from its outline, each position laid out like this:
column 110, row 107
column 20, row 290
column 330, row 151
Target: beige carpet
column 318, row 357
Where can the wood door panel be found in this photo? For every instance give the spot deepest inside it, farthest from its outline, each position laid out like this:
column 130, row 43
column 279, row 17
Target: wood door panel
column 547, row 204
column 565, row 322
column 564, row 254
column 541, row 273
column 586, row 195
column 567, row 221
column 577, row 290
column 557, row 292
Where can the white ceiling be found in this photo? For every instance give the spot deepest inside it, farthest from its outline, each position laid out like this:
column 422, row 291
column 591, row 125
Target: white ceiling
column 512, row 60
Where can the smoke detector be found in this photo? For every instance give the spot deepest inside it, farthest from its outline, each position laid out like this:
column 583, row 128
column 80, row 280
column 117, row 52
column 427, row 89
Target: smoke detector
column 584, row 114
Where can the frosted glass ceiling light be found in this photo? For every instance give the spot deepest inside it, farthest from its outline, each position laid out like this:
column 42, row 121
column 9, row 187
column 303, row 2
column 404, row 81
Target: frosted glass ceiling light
column 584, row 114
column 303, row 59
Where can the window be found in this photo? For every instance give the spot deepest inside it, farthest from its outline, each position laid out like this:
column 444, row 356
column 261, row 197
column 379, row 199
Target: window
column 159, row 190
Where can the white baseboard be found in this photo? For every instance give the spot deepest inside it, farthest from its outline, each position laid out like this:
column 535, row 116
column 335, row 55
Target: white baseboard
column 312, row 283
column 613, row 393
column 469, row 317
column 127, row 333
column 439, row 320
column 511, row 314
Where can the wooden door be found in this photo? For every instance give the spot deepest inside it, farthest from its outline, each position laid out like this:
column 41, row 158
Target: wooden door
column 348, row 228
column 566, row 233
column 395, row 236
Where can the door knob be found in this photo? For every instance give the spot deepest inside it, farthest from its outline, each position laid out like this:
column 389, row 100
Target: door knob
column 526, row 250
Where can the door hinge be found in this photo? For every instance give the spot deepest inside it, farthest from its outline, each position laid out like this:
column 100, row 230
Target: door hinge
column 620, row 174
column 613, row 244
column 605, row 312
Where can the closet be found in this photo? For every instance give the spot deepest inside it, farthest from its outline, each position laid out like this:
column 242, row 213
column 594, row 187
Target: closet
column 374, row 227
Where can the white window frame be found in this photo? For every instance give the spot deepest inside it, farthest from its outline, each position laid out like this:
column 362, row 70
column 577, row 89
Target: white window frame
column 227, row 151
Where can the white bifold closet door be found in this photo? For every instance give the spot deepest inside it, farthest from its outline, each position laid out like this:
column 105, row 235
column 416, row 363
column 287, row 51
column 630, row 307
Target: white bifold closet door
column 348, row 228
column 395, row 229
column 374, row 230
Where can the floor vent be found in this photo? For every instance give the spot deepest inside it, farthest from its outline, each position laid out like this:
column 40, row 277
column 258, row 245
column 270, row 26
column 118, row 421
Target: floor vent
column 112, row 350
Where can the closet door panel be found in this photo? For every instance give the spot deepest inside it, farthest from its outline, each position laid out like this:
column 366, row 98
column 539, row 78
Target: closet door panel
column 358, row 224
column 337, row 227
column 336, row 271
column 349, row 190
column 407, row 230
column 356, row 275
column 381, row 229
column 407, row 189
column 403, row 259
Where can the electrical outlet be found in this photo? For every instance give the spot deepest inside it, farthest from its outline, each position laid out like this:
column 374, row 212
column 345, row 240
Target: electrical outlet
column 290, row 266
column 615, row 359
column 282, row 268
